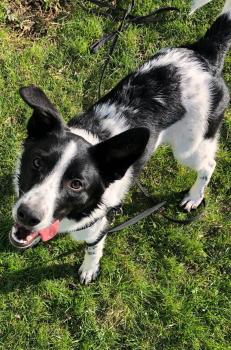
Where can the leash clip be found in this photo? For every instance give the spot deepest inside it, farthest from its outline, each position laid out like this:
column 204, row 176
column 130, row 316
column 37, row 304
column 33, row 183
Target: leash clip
column 113, row 213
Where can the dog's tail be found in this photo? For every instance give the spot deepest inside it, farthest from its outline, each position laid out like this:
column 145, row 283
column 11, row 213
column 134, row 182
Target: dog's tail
column 217, row 40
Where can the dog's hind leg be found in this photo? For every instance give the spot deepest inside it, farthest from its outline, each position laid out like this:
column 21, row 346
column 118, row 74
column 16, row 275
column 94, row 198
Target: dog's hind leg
column 203, row 161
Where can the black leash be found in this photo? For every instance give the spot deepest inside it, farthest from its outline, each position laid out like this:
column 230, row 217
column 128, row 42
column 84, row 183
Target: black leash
column 148, row 19
column 143, row 215
column 169, row 218
column 115, row 36
column 125, row 18
column 127, row 223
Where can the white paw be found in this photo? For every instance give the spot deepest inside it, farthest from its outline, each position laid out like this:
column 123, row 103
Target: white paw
column 191, row 202
column 88, row 273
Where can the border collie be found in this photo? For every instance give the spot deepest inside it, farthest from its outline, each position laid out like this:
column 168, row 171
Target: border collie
column 69, row 175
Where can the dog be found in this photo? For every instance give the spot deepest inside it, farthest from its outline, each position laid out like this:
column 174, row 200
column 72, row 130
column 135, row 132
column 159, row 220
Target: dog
column 69, row 175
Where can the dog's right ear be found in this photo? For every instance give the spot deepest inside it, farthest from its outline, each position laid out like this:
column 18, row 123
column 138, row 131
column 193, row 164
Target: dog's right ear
column 45, row 118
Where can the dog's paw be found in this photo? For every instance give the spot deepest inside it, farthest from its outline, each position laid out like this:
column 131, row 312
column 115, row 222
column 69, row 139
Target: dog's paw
column 88, row 273
column 191, row 202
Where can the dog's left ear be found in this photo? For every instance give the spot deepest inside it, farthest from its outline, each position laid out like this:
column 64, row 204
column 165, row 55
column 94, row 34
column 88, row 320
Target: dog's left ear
column 114, row 156
column 45, row 118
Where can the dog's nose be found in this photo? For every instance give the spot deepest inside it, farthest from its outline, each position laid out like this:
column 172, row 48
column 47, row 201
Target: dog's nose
column 27, row 217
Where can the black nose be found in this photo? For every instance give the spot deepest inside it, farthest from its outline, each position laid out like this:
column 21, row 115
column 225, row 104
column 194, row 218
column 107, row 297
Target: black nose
column 26, row 216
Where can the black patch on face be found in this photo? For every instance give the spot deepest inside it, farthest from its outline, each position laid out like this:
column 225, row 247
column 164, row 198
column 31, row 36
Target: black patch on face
column 77, row 205
column 101, row 165
column 50, row 149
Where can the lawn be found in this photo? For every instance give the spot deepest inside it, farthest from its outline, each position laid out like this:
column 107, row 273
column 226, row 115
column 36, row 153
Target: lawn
column 162, row 286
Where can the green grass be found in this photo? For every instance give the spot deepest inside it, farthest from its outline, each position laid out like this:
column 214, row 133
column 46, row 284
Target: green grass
column 162, row 286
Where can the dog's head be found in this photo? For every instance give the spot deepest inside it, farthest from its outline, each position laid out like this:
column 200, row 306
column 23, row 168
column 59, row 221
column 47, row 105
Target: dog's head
column 62, row 175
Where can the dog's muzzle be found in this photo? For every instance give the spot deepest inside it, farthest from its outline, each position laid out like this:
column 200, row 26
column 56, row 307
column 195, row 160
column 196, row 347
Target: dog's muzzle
column 22, row 238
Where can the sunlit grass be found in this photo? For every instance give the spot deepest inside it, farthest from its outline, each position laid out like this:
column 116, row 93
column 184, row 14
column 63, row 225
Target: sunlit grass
column 162, row 286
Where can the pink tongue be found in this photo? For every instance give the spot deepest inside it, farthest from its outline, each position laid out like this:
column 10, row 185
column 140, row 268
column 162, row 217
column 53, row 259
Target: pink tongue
column 49, row 232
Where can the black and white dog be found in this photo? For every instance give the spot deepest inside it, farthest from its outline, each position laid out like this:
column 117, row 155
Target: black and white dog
column 68, row 175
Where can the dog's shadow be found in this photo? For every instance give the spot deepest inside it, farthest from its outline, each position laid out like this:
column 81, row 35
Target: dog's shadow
column 32, row 276
column 6, row 188
column 6, row 193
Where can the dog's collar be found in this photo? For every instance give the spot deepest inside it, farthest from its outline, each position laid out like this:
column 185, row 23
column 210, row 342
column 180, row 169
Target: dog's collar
column 109, row 214
column 87, row 225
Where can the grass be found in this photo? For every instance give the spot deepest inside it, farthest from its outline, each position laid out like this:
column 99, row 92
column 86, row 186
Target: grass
column 163, row 286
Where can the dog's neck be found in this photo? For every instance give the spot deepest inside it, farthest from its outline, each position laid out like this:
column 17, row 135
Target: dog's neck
column 101, row 121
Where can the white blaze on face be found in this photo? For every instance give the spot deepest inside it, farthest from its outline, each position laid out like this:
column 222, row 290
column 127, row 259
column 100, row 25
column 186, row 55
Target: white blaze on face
column 42, row 197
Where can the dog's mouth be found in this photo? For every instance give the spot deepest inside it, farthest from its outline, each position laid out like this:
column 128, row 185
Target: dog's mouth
column 23, row 238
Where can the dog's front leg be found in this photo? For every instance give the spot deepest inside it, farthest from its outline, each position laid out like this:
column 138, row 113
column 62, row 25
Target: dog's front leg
column 89, row 269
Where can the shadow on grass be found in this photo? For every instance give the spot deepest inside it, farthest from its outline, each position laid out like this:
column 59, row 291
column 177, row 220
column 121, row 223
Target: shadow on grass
column 142, row 201
column 5, row 220
column 19, row 280
column 5, row 186
column 225, row 135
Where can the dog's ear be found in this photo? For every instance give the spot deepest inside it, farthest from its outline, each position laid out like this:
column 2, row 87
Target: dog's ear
column 45, row 118
column 114, row 156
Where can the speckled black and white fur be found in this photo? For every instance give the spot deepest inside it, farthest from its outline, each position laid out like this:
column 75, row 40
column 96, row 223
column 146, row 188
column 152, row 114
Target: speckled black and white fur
column 178, row 95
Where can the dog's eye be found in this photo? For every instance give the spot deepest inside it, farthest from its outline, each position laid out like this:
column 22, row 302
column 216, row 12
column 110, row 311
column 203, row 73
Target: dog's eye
column 75, row 185
column 37, row 163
